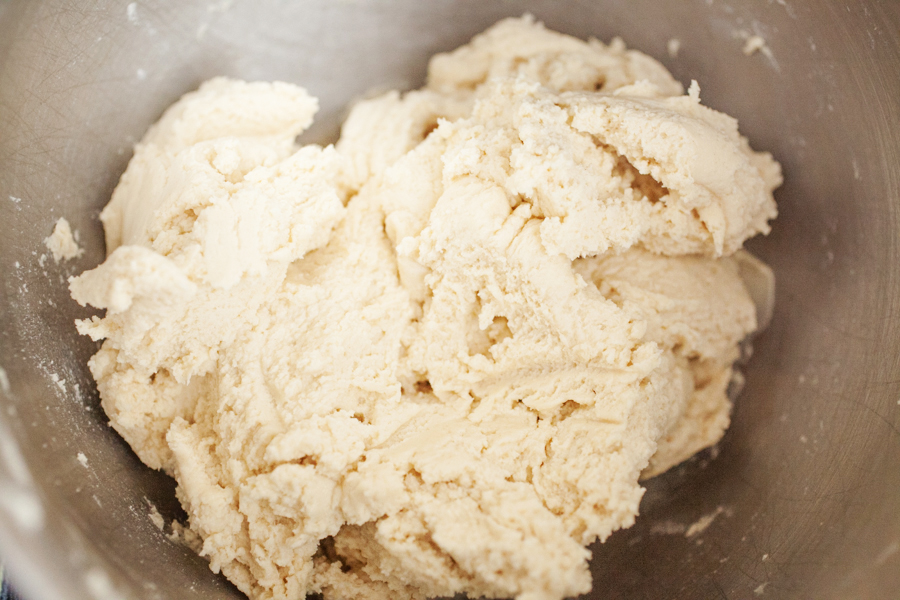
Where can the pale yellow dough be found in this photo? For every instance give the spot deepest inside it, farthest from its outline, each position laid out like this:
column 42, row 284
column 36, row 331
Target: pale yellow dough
column 439, row 356
column 62, row 243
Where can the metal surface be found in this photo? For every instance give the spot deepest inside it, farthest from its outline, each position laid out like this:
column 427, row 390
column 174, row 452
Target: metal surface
column 806, row 488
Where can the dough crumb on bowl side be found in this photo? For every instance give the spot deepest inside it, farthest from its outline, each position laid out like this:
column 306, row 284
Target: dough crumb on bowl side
column 439, row 356
column 63, row 243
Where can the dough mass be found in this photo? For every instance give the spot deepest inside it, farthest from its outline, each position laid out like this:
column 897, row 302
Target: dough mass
column 438, row 356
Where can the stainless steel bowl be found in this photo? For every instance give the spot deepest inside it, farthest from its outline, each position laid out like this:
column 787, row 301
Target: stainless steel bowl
column 805, row 490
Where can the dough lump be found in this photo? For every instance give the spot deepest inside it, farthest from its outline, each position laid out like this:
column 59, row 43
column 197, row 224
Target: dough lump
column 62, row 243
column 439, row 356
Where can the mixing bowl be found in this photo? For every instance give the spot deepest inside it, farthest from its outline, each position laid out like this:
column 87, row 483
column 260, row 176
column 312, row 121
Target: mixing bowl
column 802, row 497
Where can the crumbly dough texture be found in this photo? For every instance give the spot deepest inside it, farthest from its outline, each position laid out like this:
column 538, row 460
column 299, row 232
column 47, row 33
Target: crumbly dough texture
column 62, row 243
column 439, row 356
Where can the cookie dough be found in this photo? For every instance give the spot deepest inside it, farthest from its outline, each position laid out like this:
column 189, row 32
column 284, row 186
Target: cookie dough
column 62, row 243
column 439, row 356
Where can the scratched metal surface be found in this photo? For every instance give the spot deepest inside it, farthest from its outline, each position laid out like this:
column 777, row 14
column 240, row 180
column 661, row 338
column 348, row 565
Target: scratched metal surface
column 804, row 494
